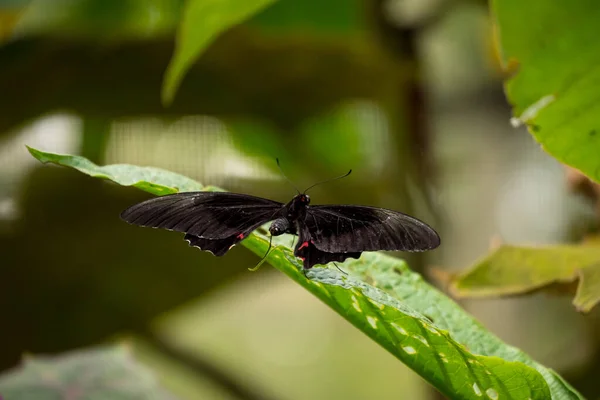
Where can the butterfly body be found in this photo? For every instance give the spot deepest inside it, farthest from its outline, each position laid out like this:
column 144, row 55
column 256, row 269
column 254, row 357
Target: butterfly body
column 216, row 221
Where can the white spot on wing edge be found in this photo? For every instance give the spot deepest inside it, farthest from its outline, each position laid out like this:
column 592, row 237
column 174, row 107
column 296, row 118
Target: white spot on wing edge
column 409, row 349
column 532, row 111
column 476, row 389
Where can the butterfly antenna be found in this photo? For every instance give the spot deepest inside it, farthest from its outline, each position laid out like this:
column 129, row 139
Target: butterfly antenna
column 329, row 180
column 341, row 270
column 262, row 260
column 286, row 178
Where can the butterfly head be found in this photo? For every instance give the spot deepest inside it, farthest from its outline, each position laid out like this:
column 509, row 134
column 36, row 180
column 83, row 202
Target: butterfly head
column 303, row 199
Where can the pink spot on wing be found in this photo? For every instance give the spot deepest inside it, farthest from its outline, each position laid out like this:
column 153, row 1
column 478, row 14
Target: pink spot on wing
column 303, row 245
column 240, row 236
column 302, row 258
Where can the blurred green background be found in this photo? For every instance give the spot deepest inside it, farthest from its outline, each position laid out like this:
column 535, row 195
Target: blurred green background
column 407, row 93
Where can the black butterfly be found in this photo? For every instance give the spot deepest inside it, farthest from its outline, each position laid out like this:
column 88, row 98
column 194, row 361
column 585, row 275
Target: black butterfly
column 216, row 221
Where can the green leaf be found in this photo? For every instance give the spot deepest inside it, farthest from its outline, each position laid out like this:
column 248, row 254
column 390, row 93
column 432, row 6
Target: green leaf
column 203, row 21
column 555, row 89
column 424, row 346
column 101, row 373
column 419, row 325
column 511, row 270
column 154, row 180
column 588, row 291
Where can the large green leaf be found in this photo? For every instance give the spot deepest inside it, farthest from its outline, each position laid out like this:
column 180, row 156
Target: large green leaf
column 415, row 322
column 426, row 347
column 511, row 270
column 203, row 21
column 150, row 179
column 555, row 89
column 100, row 373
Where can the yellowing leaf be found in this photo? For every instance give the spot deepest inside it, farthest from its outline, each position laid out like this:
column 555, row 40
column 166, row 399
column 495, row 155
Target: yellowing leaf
column 512, row 270
column 588, row 291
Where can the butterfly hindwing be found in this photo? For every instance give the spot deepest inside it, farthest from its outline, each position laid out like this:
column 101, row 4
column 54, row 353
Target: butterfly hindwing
column 212, row 221
column 218, row 247
column 310, row 255
column 347, row 228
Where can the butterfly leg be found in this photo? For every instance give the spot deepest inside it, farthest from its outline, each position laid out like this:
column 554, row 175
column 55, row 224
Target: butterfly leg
column 341, row 270
column 262, row 260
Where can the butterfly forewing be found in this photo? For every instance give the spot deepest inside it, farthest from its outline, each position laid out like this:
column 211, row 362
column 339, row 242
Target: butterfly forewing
column 208, row 215
column 347, row 228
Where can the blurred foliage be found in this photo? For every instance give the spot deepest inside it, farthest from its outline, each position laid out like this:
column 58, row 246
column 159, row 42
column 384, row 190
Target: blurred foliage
column 554, row 90
column 97, row 373
column 403, row 331
column 108, row 20
column 202, row 22
column 125, row 79
column 99, row 289
column 336, row 17
column 514, row 270
column 324, row 87
column 343, row 125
